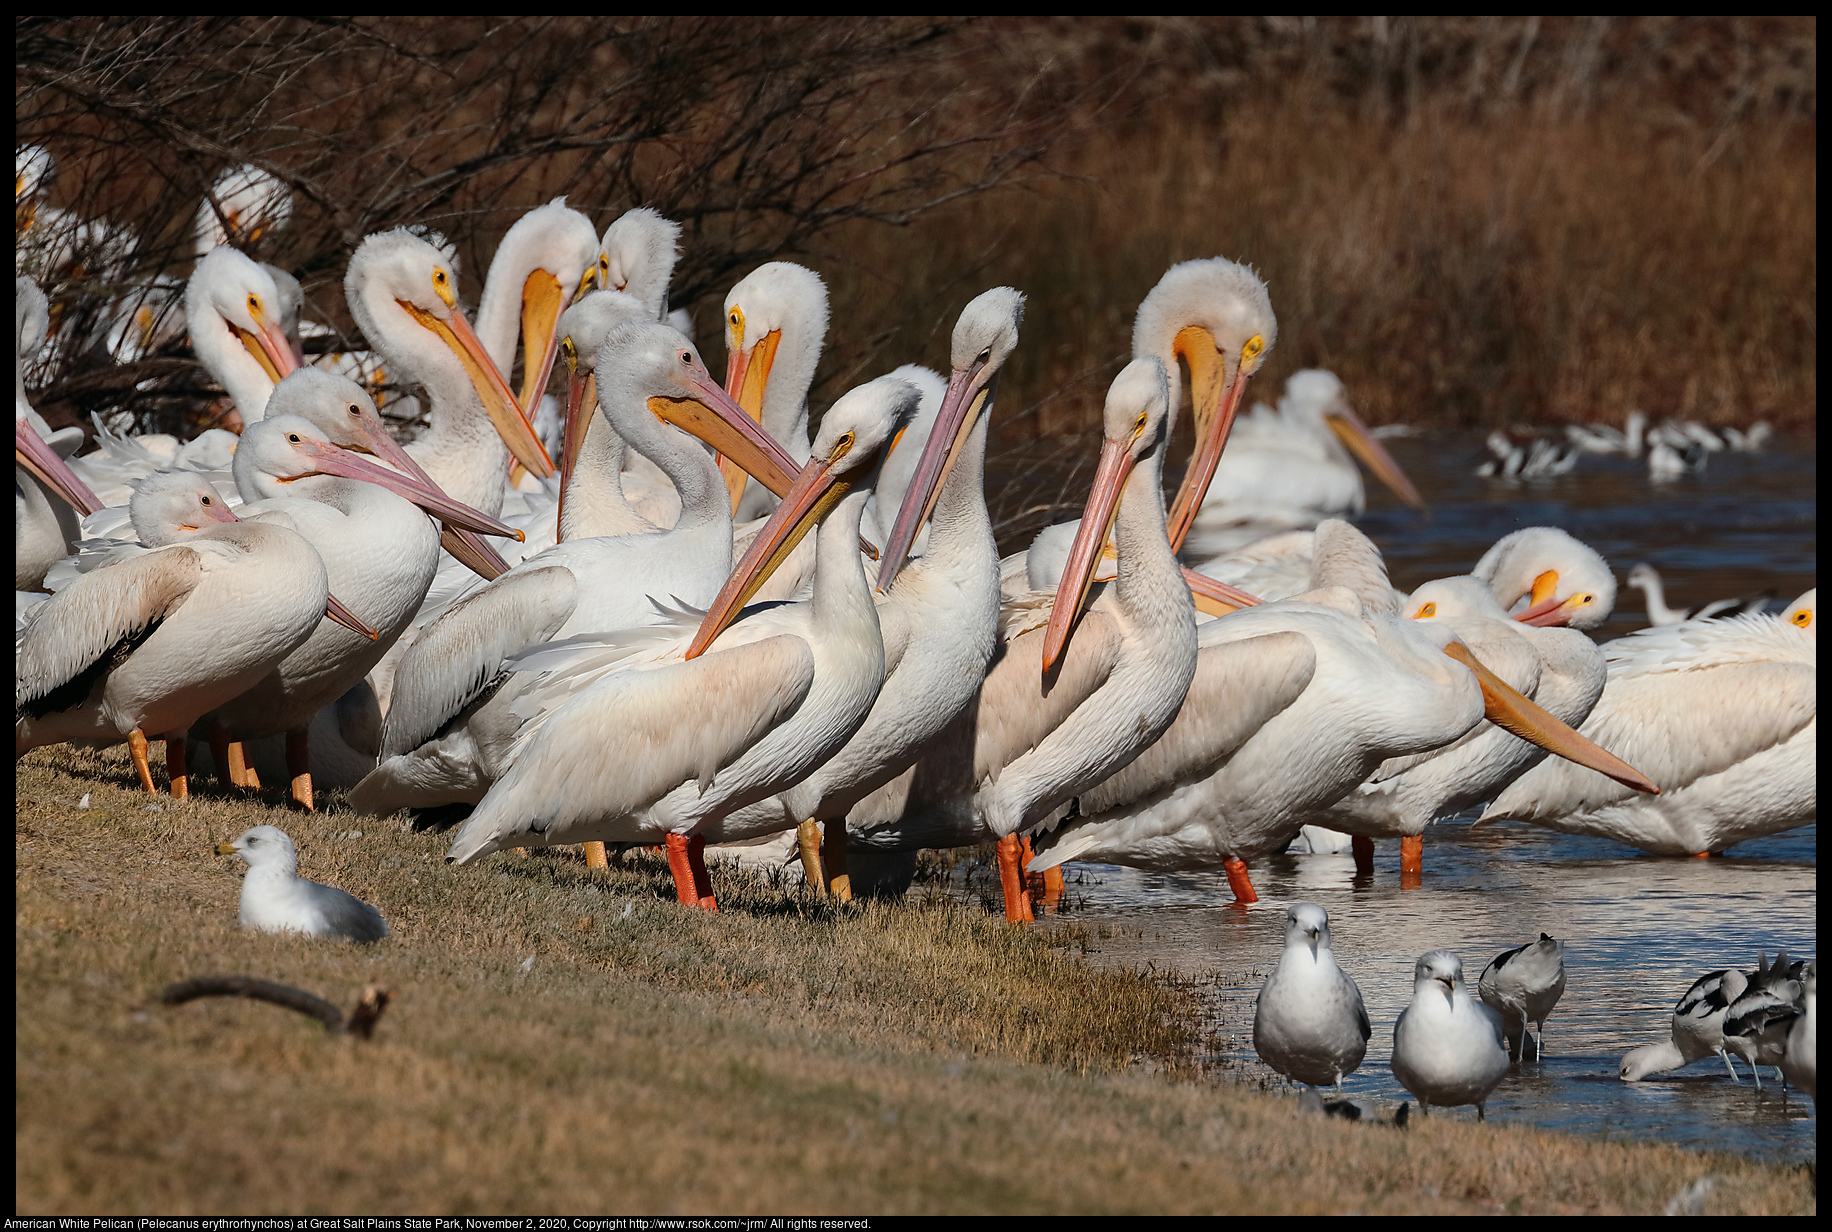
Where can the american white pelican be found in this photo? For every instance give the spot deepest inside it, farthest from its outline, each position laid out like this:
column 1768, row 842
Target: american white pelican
column 1720, row 713
column 1523, row 985
column 1757, row 1023
column 546, row 261
column 232, row 307
column 1697, row 1031
column 1560, row 670
column 378, row 547
column 276, row 899
column 453, row 669
column 699, row 736
column 939, row 614
column 1645, row 578
column 1293, row 704
column 775, row 319
column 243, row 205
column 48, row 494
column 143, row 648
column 1448, row 1050
column 403, row 293
column 1214, row 318
column 1056, row 716
column 1289, row 468
column 1308, row 1022
column 639, row 249
column 1543, row 576
column 1799, row 1062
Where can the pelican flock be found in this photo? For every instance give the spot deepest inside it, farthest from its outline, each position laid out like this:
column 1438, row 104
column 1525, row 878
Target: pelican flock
column 718, row 619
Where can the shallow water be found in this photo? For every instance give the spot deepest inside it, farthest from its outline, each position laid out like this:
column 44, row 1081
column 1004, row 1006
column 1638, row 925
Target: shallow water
column 1637, row 929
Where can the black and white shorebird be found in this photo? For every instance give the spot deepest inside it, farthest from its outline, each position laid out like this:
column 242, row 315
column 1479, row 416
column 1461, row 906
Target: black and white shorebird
column 1309, row 1023
column 1757, row 1023
column 275, row 899
column 1698, row 1028
column 1798, row 1061
column 1522, row 985
column 1448, row 1050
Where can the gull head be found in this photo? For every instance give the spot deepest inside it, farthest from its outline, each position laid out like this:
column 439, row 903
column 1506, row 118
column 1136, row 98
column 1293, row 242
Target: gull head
column 1307, row 924
column 263, row 847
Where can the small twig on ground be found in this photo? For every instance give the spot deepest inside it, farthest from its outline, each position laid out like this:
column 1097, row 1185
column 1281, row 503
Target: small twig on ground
column 361, row 1022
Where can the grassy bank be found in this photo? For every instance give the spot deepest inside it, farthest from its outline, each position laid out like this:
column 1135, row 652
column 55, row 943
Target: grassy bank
column 570, row 1041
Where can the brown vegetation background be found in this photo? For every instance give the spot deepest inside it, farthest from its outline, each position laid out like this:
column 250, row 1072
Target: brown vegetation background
column 1474, row 221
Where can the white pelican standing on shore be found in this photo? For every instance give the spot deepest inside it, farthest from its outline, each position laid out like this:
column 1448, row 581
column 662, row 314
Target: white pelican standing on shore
column 453, row 670
column 1723, row 716
column 699, row 736
column 939, row 614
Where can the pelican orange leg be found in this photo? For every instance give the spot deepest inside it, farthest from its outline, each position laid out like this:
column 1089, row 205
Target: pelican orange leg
column 175, row 768
column 1011, row 879
column 1240, row 883
column 808, row 841
column 595, row 856
column 833, row 859
column 136, row 747
column 1411, row 854
column 299, row 768
column 687, row 861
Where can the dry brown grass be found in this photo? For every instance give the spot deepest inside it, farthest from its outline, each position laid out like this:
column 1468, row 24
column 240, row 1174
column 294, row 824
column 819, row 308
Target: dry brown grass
column 782, row 1056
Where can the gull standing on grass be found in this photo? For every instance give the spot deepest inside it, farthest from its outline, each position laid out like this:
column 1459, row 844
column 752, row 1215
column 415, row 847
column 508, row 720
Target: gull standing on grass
column 276, row 899
column 1447, row 1049
column 1309, row 1022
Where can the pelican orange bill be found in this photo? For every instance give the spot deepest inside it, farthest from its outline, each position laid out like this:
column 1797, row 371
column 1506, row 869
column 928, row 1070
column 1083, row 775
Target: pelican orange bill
column 505, row 412
column 543, row 299
column 335, row 460
column 961, row 407
column 1212, row 436
column 1216, row 597
column 815, row 491
column 1116, row 463
column 1507, row 709
column 712, row 415
column 268, row 346
column 747, row 375
column 50, row 469
column 336, row 611
column 1349, row 429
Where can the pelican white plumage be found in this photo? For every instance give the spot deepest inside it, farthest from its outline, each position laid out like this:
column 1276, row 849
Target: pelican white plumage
column 1291, row 468
column 546, row 261
column 775, row 319
column 1722, row 715
column 403, row 293
column 1543, row 576
column 379, row 549
column 1056, row 716
column 143, row 648
column 243, row 205
column 232, row 310
column 639, row 250
column 1645, row 578
column 1697, row 1030
column 645, row 371
column 775, row 696
column 1448, row 1050
column 938, row 616
column 1293, row 704
column 1560, row 670
column 1309, row 1022
column 1523, row 985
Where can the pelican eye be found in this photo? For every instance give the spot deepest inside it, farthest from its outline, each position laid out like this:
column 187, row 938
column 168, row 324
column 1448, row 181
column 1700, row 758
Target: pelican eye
column 687, row 358
column 356, row 410
column 293, row 437
column 254, row 303
column 570, row 351
column 841, row 448
column 1802, row 619
column 1429, row 609
column 1139, row 425
column 1586, row 600
column 1252, row 350
column 206, row 500
column 985, row 356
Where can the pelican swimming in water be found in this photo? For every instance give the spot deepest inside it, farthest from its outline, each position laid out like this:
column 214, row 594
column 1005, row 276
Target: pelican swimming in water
column 1721, row 713
column 645, row 372
column 708, row 725
column 1293, row 467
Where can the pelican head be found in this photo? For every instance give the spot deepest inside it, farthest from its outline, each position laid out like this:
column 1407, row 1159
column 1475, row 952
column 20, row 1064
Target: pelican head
column 1307, row 924
column 1440, row 970
column 1216, row 317
column 1800, row 612
column 582, row 331
column 856, row 434
column 172, row 506
column 285, row 455
column 1319, row 396
column 233, row 300
column 637, row 258
column 984, row 338
column 775, row 318
column 1563, row 581
column 1451, row 597
column 243, row 205
column 1136, row 422
column 553, row 252
column 398, row 276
